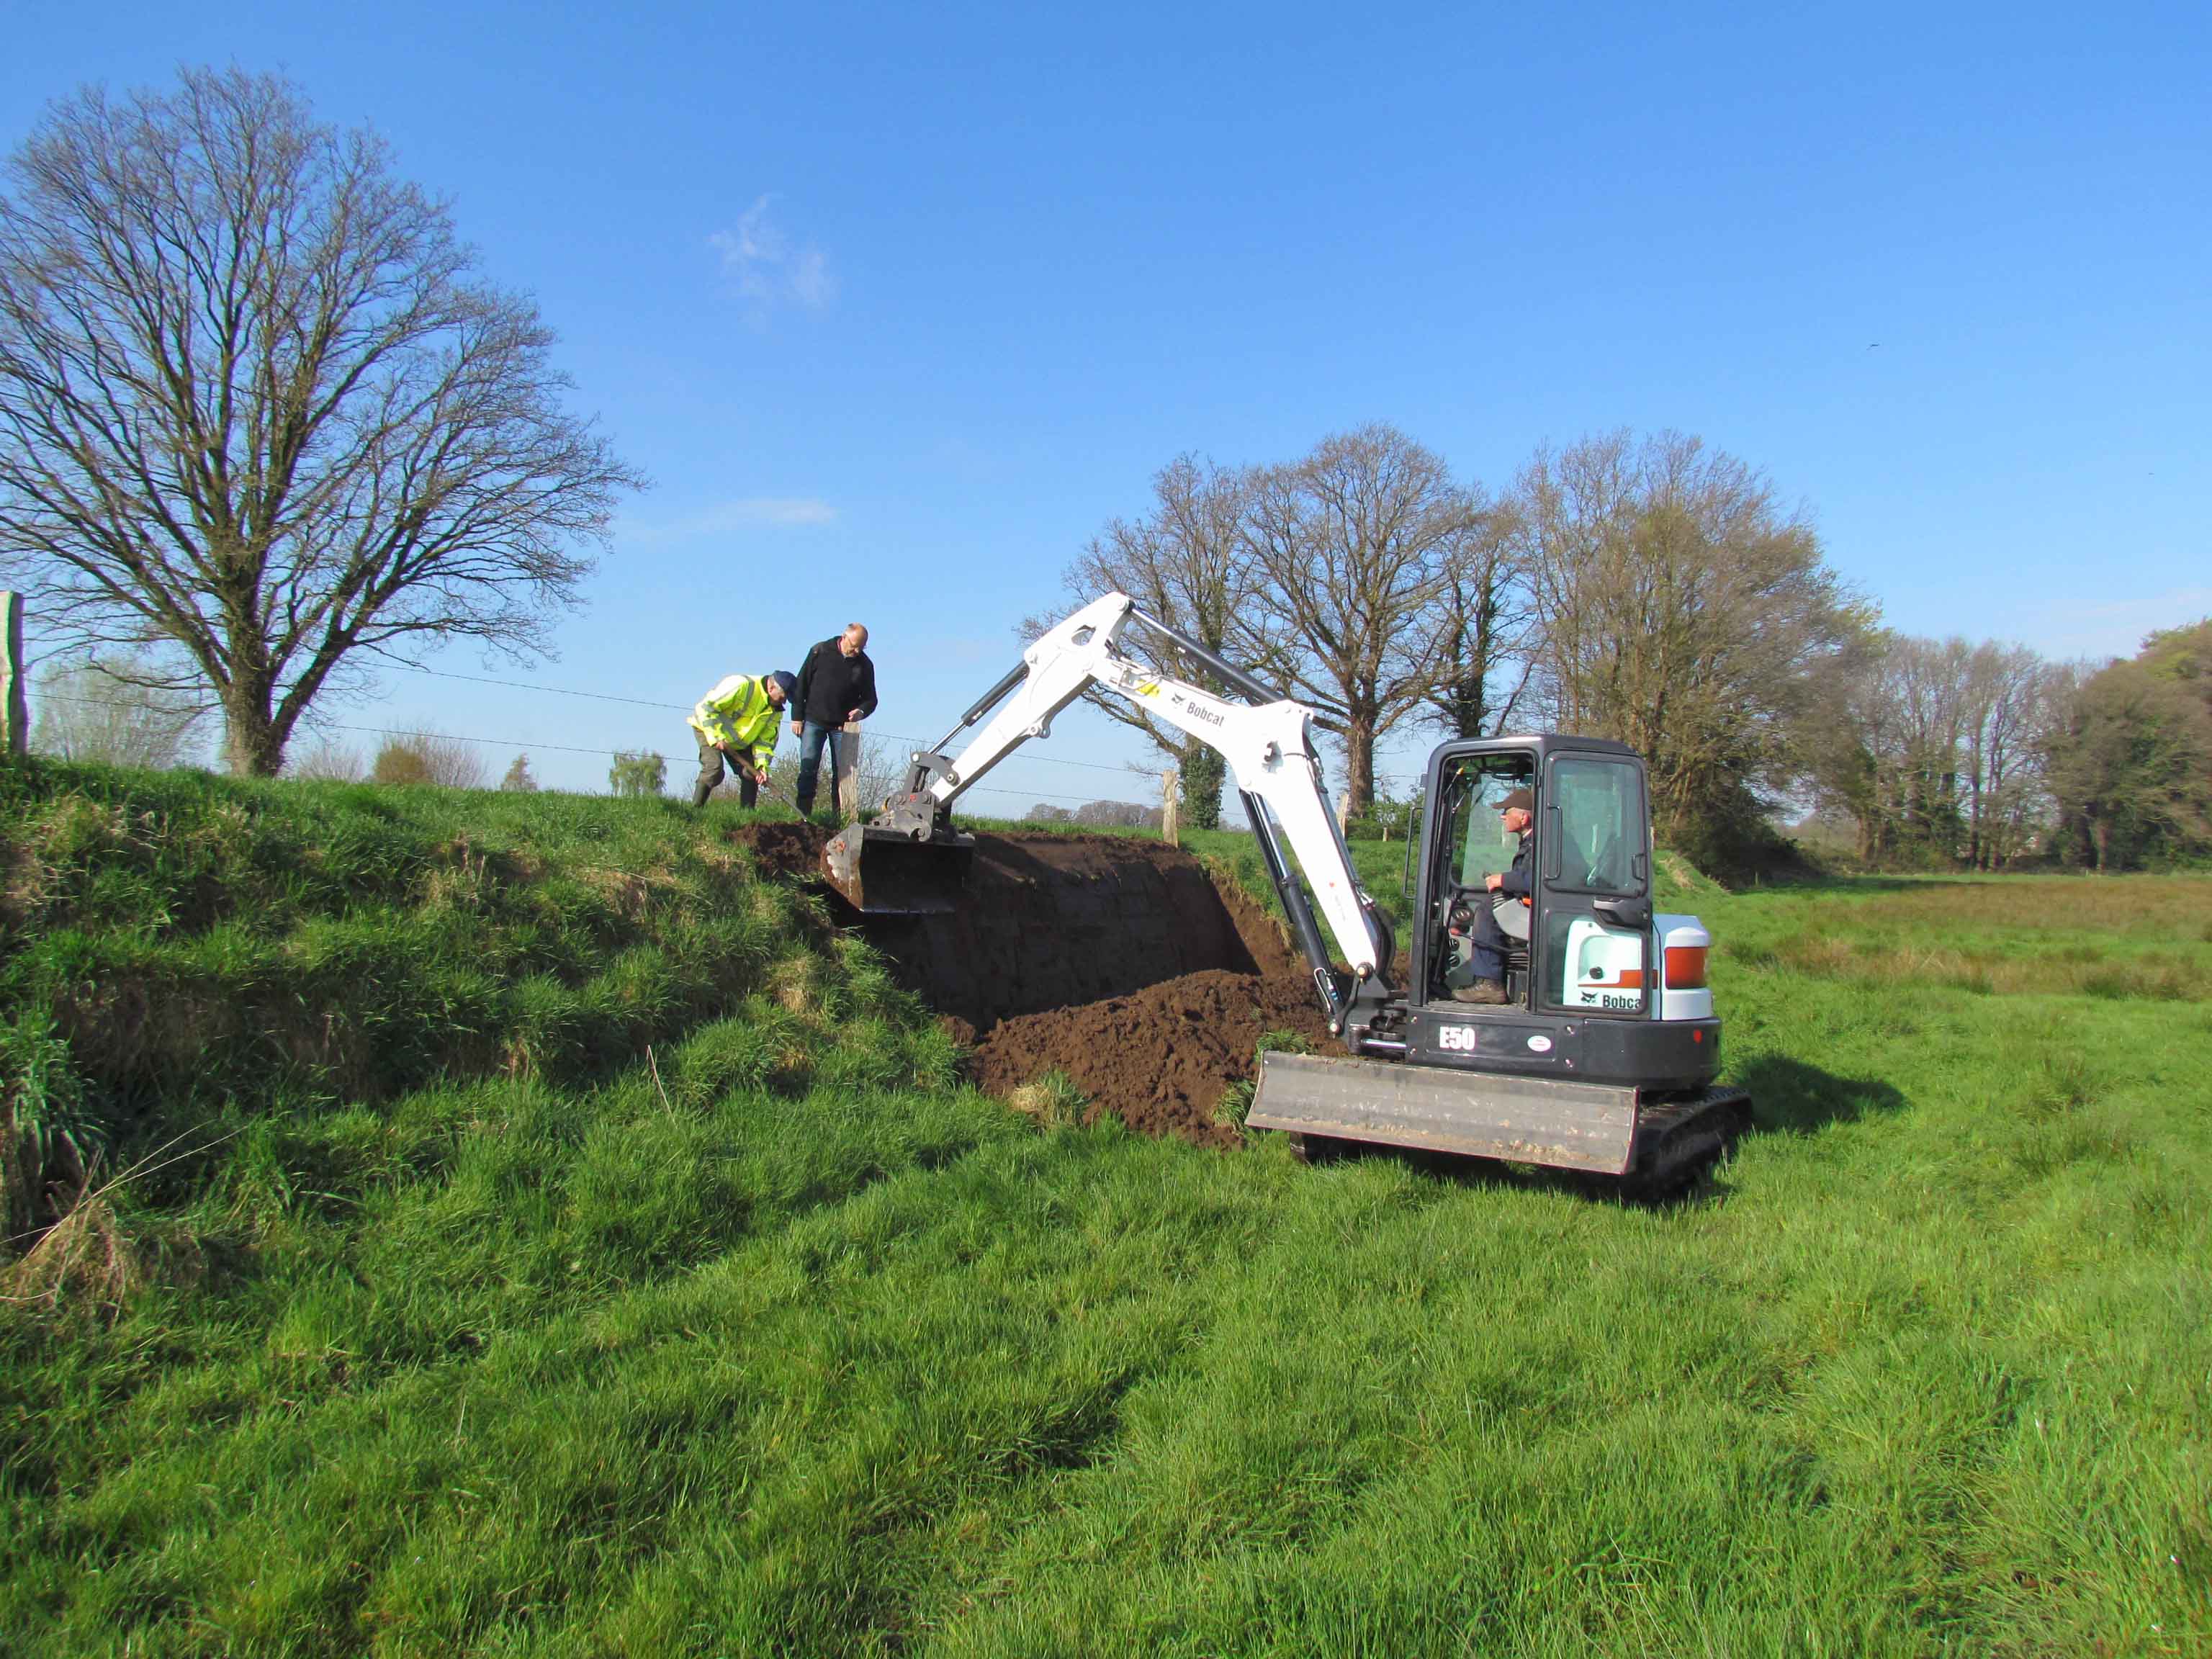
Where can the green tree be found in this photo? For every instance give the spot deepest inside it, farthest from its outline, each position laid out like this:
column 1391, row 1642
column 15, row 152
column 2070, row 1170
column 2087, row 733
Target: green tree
column 517, row 780
column 2129, row 759
column 637, row 774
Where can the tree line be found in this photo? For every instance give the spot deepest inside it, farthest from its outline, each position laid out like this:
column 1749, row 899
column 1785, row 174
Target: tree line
column 1654, row 590
column 262, row 426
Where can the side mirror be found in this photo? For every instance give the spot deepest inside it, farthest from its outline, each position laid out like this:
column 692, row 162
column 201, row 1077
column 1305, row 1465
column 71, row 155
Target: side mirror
column 1633, row 914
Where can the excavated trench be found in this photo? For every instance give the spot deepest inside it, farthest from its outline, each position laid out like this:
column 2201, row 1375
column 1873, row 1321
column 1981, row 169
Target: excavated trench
column 1117, row 962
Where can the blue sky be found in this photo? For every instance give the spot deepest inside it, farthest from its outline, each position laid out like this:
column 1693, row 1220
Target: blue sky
column 897, row 305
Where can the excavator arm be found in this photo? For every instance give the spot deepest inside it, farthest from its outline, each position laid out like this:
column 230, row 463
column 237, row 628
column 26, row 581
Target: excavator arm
column 900, row 857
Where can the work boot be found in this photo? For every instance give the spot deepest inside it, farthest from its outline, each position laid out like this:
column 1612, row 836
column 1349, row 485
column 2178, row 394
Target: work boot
column 1489, row 992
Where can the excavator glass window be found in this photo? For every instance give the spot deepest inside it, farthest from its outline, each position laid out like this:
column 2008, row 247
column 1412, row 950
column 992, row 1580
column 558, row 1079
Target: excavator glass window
column 1595, row 851
column 1471, row 843
column 1476, row 833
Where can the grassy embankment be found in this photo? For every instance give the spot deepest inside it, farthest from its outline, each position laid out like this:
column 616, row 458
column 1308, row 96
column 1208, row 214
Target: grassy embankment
column 473, row 1335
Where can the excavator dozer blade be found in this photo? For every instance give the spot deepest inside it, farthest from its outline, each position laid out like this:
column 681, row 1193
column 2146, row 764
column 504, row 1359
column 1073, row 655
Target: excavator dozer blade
column 1523, row 1119
column 1606, row 1129
column 884, row 872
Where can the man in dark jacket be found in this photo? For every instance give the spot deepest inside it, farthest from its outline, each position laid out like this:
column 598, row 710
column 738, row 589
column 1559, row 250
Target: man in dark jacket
column 1486, row 942
column 836, row 686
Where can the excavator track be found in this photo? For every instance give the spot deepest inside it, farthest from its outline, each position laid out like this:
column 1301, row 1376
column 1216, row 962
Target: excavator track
column 1678, row 1140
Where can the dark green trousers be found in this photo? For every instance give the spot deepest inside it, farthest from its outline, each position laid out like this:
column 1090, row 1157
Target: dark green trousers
column 711, row 761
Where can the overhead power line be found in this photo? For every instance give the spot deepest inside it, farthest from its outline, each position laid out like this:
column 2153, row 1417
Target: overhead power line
column 526, row 746
column 685, row 708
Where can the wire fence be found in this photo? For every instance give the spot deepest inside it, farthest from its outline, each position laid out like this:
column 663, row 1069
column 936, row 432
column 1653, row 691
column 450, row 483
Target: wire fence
column 1385, row 784
column 522, row 746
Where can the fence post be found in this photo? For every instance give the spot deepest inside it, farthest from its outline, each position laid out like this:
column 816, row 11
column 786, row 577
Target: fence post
column 11, row 672
column 1170, row 821
column 849, row 772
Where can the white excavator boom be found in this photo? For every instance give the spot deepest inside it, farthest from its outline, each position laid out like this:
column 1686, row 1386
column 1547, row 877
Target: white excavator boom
column 1268, row 745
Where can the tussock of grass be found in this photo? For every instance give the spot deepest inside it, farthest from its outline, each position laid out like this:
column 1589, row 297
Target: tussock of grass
column 1052, row 1101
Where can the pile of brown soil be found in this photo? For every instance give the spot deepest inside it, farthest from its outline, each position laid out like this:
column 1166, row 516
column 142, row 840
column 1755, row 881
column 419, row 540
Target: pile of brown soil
column 1162, row 1059
column 1116, row 961
column 791, row 851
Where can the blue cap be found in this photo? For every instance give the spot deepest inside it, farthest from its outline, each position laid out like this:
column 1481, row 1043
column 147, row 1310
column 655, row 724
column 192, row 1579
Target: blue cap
column 788, row 682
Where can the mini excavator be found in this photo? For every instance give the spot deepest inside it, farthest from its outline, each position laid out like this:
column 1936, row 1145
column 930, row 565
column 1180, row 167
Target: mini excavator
column 1601, row 1058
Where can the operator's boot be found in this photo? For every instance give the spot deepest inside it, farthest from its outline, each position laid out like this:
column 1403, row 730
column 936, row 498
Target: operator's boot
column 1490, row 992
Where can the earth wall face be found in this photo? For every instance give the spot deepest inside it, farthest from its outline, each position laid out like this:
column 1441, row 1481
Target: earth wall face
column 1116, row 962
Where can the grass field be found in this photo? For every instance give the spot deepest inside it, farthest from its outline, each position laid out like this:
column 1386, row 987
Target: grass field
column 464, row 1326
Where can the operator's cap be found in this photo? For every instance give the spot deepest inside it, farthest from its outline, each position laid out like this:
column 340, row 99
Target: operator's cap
column 789, row 682
column 1520, row 797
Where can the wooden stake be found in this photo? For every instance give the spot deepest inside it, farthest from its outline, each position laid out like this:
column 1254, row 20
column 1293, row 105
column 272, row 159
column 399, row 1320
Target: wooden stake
column 849, row 772
column 11, row 673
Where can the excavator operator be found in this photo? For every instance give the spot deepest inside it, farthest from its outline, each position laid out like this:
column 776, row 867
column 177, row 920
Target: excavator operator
column 1487, row 940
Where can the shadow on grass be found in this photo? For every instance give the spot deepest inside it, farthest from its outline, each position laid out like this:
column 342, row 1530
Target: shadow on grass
column 1790, row 1096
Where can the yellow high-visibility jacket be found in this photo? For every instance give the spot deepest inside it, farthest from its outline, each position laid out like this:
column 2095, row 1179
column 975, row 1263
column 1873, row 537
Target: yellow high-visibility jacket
column 738, row 718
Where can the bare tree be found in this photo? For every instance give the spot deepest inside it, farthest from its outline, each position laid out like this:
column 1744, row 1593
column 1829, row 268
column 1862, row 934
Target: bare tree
column 1353, row 543
column 2009, row 707
column 1933, row 746
column 1187, row 562
column 327, row 762
column 254, row 407
column 1481, row 653
column 519, row 781
column 1683, row 612
column 96, row 711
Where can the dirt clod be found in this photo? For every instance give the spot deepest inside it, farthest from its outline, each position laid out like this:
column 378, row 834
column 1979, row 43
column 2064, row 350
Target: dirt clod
column 1117, row 962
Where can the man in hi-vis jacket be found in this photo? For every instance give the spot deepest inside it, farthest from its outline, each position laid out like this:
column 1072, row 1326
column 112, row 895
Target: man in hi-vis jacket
column 736, row 721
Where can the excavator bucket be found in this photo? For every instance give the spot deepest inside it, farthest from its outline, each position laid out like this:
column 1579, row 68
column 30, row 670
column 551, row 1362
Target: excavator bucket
column 889, row 873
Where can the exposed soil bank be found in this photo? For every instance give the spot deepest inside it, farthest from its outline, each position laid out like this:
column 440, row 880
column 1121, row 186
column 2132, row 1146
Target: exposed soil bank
column 1114, row 960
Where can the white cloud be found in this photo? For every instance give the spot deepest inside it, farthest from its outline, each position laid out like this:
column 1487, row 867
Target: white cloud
column 725, row 518
column 762, row 263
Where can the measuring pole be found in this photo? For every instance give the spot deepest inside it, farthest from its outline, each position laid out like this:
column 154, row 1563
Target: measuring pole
column 849, row 772
column 11, row 673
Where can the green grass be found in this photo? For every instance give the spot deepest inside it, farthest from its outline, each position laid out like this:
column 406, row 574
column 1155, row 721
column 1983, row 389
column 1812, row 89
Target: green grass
column 786, row 1343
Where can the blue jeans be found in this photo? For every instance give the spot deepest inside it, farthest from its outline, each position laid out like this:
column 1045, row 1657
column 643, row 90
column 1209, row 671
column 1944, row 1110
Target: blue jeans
column 810, row 763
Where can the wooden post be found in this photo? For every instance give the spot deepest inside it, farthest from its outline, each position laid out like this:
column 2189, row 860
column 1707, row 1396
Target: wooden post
column 848, row 772
column 1170, row 823
column 11, row 673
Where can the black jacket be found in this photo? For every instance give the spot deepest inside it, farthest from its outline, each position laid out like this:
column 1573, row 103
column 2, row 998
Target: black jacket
column 832, row 685
column 1515, row 883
